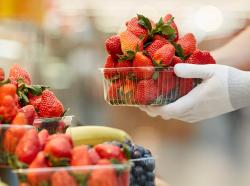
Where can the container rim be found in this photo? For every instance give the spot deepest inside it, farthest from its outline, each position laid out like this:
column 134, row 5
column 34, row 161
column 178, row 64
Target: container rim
column 6, row 126
column 121, row 68
column 73, row 168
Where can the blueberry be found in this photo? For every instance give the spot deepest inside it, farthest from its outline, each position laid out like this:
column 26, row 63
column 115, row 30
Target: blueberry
column 149, row 183
column 138, row 171
column 150, row 176
column 141, row 150
column 141, row 180
column 136, row 154
column 150, row 165
column 148, row 152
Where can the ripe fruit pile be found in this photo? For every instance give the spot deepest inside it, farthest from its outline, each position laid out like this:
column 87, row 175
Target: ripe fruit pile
column 33, row 150
column 139, row 67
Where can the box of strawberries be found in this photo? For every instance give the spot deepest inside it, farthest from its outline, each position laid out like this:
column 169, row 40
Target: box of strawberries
column 139, row 69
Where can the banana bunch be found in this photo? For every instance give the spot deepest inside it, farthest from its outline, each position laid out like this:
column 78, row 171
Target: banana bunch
column 92, row 135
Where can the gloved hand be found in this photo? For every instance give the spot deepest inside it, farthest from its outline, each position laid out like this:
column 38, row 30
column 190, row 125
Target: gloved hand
column 222, row 90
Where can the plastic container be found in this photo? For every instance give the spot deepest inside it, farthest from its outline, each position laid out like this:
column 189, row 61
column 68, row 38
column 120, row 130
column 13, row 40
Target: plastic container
column 54, row 125
column 116, row 174
column 142, row 171
column 133, row 86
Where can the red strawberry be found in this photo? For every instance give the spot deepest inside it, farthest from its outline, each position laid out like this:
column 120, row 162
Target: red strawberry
column 123, row 178
column 186, row 85
column 61, row 178
column 188, row 43
column 58, row 150
column 165, row 82
column 28, row 147
column 43, row 136
column 129, row 88
column 109, row 151
column 50, row 106
column 1, row 74
column 18, row 73
column 154, row 46
column 65, row 136
column 24, row 184
column 37, row 178
column 110, row 63
column 8, row 109
column 201, row 57
column 129, row 41
column 173, row 25
column 114, row 91
column 94, row 157
column 123, row 68
column 164, row 55
column 11, row 138
column 176, row 60
column 80, row 156
column 137, row 29
column 103, row 177
column 159, row 37
column 29, row 112
column 7, row 90
column 113, row 45
column 146, row 92
column 20, row 119
column 141, row 60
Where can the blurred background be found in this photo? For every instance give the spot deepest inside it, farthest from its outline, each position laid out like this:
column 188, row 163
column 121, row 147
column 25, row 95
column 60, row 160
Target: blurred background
column 61, row 43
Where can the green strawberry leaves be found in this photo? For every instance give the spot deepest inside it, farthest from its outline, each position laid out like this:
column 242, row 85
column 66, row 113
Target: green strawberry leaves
column 179, row 51
column 144, row 22
column 129, row 55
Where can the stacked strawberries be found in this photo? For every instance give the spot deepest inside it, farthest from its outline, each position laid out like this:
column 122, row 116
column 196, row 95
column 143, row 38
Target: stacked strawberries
column 138, row 67
column 33, row 149
column 18, row 95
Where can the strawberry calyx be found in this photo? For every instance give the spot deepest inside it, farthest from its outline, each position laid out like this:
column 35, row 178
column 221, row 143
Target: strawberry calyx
column 144, row 22
column 57, row 162
column 3, row 82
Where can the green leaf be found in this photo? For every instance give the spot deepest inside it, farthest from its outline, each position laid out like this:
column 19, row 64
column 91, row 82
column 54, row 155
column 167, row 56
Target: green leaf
column 129, row 55
column 80, row 178
column 155, row 75
column 179, row 51
column 36, row 90
column 167, row 30
column 147, row 44
column 145, row 22
column 4, row 82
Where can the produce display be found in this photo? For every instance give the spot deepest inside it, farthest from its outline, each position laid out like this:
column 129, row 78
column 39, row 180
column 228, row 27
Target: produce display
column 139, row 66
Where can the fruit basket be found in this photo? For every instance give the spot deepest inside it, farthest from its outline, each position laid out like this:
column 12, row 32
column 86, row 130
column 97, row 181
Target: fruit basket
column 53, row 125
column 133, row 86
column 110, row 175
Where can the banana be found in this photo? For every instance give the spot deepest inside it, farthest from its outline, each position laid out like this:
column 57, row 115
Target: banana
column 92, row 135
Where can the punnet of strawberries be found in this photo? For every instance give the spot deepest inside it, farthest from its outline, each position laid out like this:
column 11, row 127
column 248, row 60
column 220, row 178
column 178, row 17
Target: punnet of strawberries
column 139, row 66
column 42, row 159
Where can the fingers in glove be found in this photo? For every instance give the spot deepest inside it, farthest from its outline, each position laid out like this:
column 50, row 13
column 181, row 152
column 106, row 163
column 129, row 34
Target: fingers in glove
column 193, row 71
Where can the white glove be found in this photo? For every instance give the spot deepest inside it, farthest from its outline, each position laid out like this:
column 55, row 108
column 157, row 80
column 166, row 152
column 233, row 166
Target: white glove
column 222, row 90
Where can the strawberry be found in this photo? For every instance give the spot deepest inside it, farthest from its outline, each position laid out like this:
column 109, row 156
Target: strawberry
column 43, row 136
column 17, row 73
column 114, row 91
column 8, row 109
column 186, row 85
column 164, row 55
column 141, row 60
column 159, row 37
column 35, row 100
column 188, row 43
column 24, row 184
column 38, row 178
column 113, row 45
column 7, row 89
column 28, row 147
column 50, row 106
column 80, row 156
column 123, row 68
column 176, row 60
column 103, row 177
column 130, row 42
column 20, row 119
column 94, row 157
column 165, row 82
column 61, row 178
column 29, row 112
column 129, row 88
column 1, row 74
column 65, row 136
column 138, row 30
column 154, row 46
column 201, row 57
column 11, row 138
column 146, row 92
column 173, row 25
column 110, row 63
column 109, row 151
column 58, row 149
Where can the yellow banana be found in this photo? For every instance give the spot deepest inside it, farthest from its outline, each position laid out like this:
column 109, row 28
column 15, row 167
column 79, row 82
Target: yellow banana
column 92, row 135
